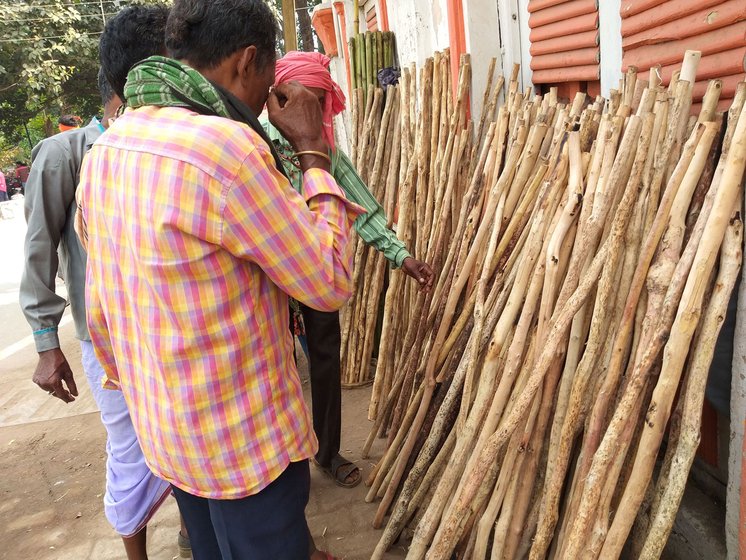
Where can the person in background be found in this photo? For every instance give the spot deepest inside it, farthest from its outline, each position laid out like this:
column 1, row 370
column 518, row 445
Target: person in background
column 188, row 287
column 3, row 187
column 133, row 493
column 68, row 122
column 22, row 173
column 322, row 329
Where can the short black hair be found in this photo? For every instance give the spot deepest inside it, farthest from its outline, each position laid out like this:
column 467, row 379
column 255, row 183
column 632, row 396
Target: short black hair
column 104, row 87
column 206, row 32
column 134, row 34
column 69, row 120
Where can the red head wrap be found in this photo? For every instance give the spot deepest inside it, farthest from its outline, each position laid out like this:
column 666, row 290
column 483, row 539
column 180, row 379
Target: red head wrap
column 311, row 69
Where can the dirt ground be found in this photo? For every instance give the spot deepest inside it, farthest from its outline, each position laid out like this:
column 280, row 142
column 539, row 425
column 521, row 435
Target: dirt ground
column 53, row 478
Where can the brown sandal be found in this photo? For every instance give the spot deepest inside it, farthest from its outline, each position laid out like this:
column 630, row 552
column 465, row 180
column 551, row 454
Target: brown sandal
column 340, row 470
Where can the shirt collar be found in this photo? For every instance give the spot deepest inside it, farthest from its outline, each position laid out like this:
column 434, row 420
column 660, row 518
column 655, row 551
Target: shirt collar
column 92, row 132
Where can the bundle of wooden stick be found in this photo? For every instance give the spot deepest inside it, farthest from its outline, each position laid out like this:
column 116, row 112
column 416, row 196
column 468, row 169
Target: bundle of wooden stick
column 389, row 151
column 586, row 254
column 369, row 53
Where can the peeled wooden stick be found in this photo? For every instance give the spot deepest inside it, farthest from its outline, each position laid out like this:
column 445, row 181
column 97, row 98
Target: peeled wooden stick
column 366, row 127
column 410, row 494
column 601, row 325
column 487, row 522
column 596, row 462
column 625, row 410
column 681, row 334
column 488, row 453
column 624, row 332
column 373, row 278
column 429, row 382
column 710, row 101
column 702, row 352
column 465, row 272
column 488, row 109
column 424, row 133
column 659, row 279
column 560, row 323
column 382, row 467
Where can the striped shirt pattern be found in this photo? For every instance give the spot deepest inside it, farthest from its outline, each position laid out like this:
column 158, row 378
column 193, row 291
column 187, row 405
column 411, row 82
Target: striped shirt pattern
column 371, row 227
column 195, row 241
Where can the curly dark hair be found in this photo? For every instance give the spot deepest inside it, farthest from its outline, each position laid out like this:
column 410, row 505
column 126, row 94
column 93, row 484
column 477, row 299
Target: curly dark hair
column 134, row 34
column 206, row 32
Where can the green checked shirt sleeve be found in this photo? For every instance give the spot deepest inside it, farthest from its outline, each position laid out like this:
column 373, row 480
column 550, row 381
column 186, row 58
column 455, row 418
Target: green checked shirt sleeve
column 371, row 226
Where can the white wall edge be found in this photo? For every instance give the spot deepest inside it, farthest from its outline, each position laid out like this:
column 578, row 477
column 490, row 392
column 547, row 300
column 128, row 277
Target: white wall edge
column 610, row 36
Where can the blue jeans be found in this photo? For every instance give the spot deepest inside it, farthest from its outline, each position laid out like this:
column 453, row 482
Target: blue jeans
column 270, row 524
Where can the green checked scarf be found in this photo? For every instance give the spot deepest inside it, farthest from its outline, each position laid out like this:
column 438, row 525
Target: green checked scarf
column 165, row 82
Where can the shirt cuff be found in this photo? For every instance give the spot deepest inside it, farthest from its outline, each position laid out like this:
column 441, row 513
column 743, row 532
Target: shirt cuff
column 46, row 339
column 317, row 182
column 400, row 257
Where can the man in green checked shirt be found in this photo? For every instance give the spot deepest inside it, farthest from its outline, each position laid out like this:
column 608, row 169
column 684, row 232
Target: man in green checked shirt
column 322, row 328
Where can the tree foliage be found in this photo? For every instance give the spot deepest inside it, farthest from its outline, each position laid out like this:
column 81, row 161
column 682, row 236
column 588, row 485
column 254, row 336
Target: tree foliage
column 49, row 60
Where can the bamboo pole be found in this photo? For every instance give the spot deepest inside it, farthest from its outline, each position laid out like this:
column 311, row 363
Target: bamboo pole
column 361, row 68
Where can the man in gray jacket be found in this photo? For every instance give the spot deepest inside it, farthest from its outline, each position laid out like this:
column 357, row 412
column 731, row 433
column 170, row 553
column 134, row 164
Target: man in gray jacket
column 51, row 243
column 133, row 493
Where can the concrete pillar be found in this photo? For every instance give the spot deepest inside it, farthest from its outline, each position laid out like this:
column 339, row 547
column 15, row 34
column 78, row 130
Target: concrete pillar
column 737, row 421
column 514, row 38
column 610, row 27
column 483, row 43
column 525, row 31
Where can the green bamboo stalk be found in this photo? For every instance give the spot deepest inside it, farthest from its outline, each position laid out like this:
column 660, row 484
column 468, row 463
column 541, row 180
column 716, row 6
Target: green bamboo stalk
column 353, row 63
column 361, row 67
column 385, row 43
column 369, row 58
column 379, row 51
column 388, row 49
column 376, row 56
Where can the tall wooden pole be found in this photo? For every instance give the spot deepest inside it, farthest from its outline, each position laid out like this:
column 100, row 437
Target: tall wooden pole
column 356, row 20
column 288, row 25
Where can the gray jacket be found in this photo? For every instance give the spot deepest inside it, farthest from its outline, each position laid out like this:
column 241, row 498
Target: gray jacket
column 51, row 240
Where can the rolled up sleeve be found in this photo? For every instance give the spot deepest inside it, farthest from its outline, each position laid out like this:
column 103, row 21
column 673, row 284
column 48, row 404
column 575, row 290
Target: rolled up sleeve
column 299, row 241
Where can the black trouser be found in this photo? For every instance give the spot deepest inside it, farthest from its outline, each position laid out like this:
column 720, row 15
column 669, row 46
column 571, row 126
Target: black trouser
column 324, row 340
column 269, row 524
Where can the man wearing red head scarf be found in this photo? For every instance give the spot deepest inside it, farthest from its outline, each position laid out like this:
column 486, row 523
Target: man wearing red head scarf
column 311, row 69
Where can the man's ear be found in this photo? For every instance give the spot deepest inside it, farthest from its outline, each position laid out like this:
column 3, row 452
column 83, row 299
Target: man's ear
column 247, row 62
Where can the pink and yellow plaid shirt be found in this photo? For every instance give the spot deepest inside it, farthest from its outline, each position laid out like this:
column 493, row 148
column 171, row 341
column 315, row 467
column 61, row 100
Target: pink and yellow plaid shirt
column 194, row 240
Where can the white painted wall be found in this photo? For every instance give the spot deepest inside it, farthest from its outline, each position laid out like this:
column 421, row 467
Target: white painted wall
column 610, row 27
column 514, row 36
column 421, row 28
column 483, row 43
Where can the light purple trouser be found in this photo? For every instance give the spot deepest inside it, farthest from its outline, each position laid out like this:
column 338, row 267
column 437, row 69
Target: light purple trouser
column 133, row 492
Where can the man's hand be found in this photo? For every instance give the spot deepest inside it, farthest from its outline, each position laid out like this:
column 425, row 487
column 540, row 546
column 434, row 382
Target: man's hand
column 296, row 113
column 50, row 373
column 420, row 271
